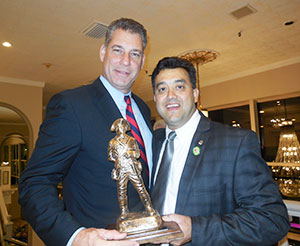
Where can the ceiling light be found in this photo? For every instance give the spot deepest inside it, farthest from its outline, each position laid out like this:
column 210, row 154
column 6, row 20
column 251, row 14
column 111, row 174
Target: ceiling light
column 261, row 111
column 288, row 23
column 6, row 44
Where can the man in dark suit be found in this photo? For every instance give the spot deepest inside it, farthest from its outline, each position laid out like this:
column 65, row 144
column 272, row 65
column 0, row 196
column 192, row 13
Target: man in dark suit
column 72, row 149
column 219, row 189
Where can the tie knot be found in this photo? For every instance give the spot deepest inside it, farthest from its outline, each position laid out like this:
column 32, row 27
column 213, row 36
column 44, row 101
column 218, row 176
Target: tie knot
column 127, row 99
column 172, row 135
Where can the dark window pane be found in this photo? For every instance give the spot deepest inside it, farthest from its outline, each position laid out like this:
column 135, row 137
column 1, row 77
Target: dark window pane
column 236, row 116
column 273, row 116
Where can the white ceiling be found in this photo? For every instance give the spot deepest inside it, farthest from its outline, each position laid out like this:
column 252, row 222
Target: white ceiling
column 50, row 31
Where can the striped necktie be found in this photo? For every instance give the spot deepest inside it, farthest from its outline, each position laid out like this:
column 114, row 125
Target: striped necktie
column 136, row 132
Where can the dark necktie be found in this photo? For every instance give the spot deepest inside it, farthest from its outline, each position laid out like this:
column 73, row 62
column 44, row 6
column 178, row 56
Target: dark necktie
column 160, row 186
column 136, row 133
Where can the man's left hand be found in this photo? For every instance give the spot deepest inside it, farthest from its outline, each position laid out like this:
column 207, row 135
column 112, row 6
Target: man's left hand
column 185, row 224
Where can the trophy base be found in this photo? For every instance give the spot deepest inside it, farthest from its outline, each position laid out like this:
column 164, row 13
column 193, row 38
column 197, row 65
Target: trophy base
column 144, row 228
column 169, row 231
column 139, row 222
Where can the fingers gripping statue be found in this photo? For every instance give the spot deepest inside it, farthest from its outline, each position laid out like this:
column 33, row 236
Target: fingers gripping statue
column 124, row 151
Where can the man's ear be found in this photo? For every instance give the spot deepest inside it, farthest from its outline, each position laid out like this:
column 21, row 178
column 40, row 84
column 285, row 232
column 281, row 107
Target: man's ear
column 102, row 52
column 143, row 61
column 154, row 98
column 196, row 94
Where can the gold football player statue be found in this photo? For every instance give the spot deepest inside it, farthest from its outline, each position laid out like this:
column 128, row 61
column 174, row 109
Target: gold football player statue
column 124, row 151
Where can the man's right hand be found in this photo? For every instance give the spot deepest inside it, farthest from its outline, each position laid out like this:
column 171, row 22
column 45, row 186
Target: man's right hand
column 101, row 237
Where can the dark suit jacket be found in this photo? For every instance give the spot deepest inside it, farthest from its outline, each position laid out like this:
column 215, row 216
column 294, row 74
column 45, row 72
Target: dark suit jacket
column 227, row 189
column 72, row 147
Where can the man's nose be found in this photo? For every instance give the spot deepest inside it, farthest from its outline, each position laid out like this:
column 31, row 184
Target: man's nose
column 171, row 93
column 126, row 59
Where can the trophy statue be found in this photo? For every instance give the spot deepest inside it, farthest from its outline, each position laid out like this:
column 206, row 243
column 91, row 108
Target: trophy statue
column 146, row 226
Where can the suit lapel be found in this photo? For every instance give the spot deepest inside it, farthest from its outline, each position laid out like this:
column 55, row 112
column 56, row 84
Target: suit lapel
column 199, row 142
column 104, row 102
column 158, row 139
column 110, row 112
column 107, row 107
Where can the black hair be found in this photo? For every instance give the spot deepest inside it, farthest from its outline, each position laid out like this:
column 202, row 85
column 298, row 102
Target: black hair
column 171, row 63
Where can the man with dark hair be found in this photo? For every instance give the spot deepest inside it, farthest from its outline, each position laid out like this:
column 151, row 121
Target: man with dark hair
column 72, row 148
column 172, row 63
column 208, row 177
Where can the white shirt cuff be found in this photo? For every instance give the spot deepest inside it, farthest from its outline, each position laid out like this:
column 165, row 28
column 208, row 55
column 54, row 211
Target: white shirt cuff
column 70, row 242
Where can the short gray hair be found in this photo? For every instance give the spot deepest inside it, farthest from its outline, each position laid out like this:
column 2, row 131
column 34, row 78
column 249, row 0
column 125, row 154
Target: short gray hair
column 126, row 25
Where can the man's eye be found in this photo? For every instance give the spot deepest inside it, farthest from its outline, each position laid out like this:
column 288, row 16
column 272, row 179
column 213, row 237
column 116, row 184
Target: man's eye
column 117, row 50
column 135, row 54
column 161, row 89
column 180, row 87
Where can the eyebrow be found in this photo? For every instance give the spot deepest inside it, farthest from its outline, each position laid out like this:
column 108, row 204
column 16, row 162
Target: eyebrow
column 159, row 83
column 121, row 47
column 176, row 81
column 117, row 46
column 137, row 50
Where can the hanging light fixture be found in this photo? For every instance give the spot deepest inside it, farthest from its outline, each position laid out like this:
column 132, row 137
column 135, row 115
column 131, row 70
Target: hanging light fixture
column 288, row 152
column 288, row 148
column 199, row 57
column 282, row 121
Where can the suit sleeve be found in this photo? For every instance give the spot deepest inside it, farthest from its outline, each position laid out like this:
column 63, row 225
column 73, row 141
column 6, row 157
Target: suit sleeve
column 58, row 142
column 260, row 216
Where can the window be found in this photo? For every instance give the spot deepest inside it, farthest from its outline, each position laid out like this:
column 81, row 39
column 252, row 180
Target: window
column 236, row 116
column 273, row 117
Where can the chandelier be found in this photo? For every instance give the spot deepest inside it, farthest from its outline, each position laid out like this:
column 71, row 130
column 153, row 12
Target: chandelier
column 281, row 122
column 287, row 176
column 288, row 148
column 199, row 57
column 278, row 122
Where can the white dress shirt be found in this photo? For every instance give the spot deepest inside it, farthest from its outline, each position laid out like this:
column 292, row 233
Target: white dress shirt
column 182, row 142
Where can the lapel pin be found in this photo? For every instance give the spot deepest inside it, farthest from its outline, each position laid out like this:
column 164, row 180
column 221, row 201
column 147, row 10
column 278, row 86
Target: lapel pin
column 196, row 151
column 200, row 142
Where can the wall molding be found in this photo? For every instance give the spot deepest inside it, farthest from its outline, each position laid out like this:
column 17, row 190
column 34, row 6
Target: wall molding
column 252, row 71
column 22, row 81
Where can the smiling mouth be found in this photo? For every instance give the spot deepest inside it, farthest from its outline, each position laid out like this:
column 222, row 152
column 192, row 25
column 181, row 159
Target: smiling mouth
column 172, row 106
column 122, row 73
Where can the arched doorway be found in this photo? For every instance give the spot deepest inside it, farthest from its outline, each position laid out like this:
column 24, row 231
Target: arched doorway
column 14, row 153
column 16, row 137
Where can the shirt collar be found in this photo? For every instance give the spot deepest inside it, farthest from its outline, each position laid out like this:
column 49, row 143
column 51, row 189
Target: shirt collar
column 188, row 129
column 117, row 95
